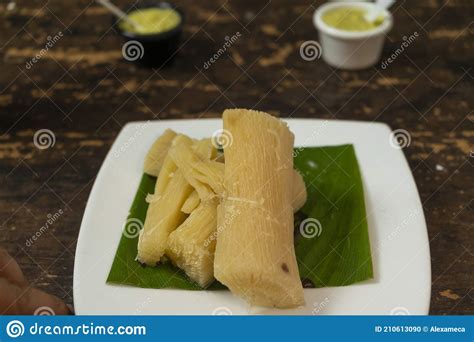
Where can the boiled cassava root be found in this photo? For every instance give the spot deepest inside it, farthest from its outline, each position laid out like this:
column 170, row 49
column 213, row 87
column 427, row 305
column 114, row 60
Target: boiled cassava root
column 255, row 255
column 229, row 216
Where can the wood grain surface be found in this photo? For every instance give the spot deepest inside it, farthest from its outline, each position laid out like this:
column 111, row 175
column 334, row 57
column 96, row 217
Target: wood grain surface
column 83, row 91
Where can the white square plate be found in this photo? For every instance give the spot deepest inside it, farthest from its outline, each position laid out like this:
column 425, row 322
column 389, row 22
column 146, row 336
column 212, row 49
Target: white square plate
column 397, row 228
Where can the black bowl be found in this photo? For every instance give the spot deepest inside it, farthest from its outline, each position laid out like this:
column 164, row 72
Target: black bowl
column 152, row 50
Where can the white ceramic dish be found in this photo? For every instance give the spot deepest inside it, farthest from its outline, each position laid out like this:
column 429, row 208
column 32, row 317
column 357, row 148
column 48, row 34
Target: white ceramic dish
column 351, row 50
column 397, row 228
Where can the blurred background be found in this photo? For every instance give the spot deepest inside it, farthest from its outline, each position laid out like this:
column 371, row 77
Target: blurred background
column 63, row 72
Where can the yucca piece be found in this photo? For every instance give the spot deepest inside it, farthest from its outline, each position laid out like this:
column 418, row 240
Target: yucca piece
column 205, row 175
column 157, row 153
column 184, row 146
column 300, row 194
column 191, row 246
column 167, row 171
column 191, row 203
column 210, row 173
column 205, row 149
column 255, row 255
column 164, row 213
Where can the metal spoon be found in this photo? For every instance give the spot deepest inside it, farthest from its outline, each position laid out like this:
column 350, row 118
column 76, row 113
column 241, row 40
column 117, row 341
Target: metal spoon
column 120, row 14
column 380, row 6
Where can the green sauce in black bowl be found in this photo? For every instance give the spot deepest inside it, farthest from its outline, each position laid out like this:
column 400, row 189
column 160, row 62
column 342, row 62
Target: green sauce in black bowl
column 152, row 48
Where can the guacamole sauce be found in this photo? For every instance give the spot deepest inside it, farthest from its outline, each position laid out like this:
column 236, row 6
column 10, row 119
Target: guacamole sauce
column 349, row 19
column 152, row 20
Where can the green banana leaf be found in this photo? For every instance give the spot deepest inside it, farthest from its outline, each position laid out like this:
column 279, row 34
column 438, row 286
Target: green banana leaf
column 331, row 233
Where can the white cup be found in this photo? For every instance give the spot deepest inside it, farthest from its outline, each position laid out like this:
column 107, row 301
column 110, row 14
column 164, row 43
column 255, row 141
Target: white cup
column 351, row 50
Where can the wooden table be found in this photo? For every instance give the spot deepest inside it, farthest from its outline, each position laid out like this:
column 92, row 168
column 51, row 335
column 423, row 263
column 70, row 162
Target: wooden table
column 83, row 90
